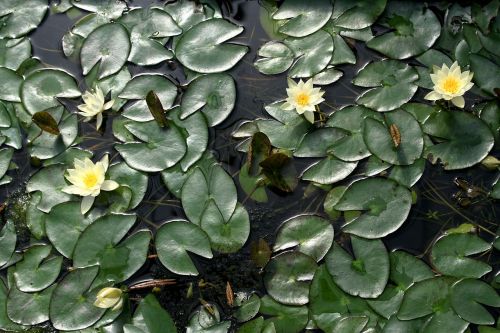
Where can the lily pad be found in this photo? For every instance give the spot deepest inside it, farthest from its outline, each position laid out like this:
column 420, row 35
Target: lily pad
column 466, row 297
column 366, row 274
column 10, row 85
column 309, row 234
column 385, row 205
column 285, row 319
column 135, row 180
column 72, row 304
column 164, row 147
column 108, row 47
column 462, row 139
column 18, row 19
column 50, row 182
column 200, row 187
column 101, row 244
column 313, row 53
column 356, row 14
column 174, row 239
column 317, row 143
column 8, row 238
column 414, row 26
column 225, row 236
column 351, row 119
column 485, row 73
column 29, row 308
column 13, row 52
column 393, row 84
column 213, row 94
column 329, row 171
column 303, row 18
column 449, row 255
column 403, row 147
column 37, row 270
column 275, row 58
column 150, row 317
column 64, row 225
column 41, row 89
column 406, row 269
column 202, row 48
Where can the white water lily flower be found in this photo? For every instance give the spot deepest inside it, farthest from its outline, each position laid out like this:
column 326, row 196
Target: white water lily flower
column 88, row 180
column 450, row 84
column 94, row 106
column 109, row 298
column 303, row 97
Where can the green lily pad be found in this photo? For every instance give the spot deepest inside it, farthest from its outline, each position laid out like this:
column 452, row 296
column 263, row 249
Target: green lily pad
column 329, row 171
column 252, row 185
column 351, row 324
column 41, row 89
column 213, row 94
column 387, row 304
column 424, row 298
column 317, row 143
column 449, row 255
column 135, row 180
column 288, row 277
column 99, row 244
column 202, row 48
column 50, row 182
column 37, row 270
column 327, row 76
column 18, row 19
column 393, row 84
column 248, row 307
column 149, row 28
column 5, row 322
column 72, row 304
column 275, row 58
column 163, row 147
column 381, row 141
column 108, row 46
column 200, row 187
column 366, row 274
column 150, row 317
column 466, row 297
column 313, row 53
column 285, row 319
column 64, row 225
column 10, row 85
column 225, row 236
column 351, row 147
column 5, row 160
column 205, row 321
column 415, row 29
column 303, row 18
column 384, row 203
column 8, row 238
column 309, row 234
column 13, row 52
column 356, row 14
column 490, row 114
column 462, row 139
column 445, row 322
column 407, row 270
column 139, row 87
column 485, row 73
column 174, row 239
column 408, row 175
column 29, row 308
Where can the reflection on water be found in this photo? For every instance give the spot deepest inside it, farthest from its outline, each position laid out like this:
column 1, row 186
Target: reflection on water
column 434, row 211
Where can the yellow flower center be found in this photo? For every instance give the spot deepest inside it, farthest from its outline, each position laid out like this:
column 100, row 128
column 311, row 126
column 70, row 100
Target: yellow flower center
column 90, row 179
column 451, row 85
column 302, row 99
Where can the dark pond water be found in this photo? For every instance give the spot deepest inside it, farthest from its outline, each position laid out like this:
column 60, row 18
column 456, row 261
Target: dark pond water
column 436, row 208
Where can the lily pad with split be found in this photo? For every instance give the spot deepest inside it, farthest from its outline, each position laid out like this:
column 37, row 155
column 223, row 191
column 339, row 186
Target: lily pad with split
column 284, row 319
column 29, row 308
column 275, row 58
column 8, row 239
column 18, row 19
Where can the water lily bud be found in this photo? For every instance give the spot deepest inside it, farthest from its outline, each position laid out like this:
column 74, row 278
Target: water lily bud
column 491, row 162
column 109, row 298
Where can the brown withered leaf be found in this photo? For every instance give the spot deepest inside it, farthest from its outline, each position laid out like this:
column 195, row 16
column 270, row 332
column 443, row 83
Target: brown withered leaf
column 395, row 135
column 156, row 109
column 46, row 122
column 280, row 171
column 229, row 294
column 260, row 253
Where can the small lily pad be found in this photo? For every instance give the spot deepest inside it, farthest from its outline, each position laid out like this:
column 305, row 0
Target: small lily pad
column 275, row 58
column 202, row 48
column 366, row 274
column 385, row 205
column 356, row 14
column 10, row 85
column 284, row 319
column 174, row 239
column 303, row 18
column 308, row 234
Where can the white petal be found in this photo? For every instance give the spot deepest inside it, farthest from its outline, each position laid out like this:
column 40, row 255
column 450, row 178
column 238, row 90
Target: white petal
column 287, row 106
column 105, row 162
column 98, row 121
column 109, row 185
column 291, row 83
column 309, row 115
column 72, row 189
column 118, row 305
column 433, row 96
column 87, row 203
column 459, row 101
column 109, row 104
